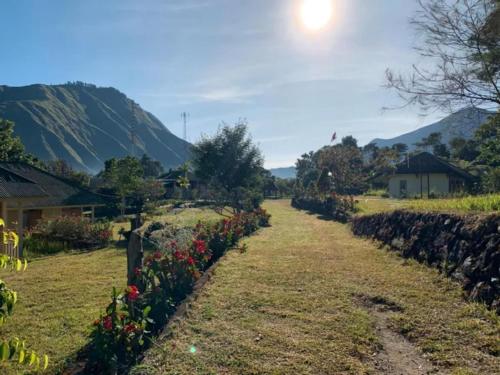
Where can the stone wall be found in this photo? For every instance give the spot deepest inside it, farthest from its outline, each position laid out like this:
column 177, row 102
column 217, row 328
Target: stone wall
column 464, row 247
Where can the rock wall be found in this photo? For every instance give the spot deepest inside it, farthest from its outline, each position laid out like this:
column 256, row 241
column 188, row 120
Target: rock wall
column 464, row 247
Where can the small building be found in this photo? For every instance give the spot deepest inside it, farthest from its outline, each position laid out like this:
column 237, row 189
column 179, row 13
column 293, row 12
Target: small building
column 425, row 175
column 28, row 194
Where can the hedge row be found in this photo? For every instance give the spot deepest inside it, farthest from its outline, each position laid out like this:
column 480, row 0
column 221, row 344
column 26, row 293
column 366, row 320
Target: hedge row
column 334, row 207
column 165, row 279
column 466, row 248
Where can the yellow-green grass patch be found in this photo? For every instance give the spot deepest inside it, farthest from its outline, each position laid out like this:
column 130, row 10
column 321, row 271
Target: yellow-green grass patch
column 293, row 304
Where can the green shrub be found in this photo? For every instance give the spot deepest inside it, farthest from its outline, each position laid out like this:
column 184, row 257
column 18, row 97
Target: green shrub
column 67, row 232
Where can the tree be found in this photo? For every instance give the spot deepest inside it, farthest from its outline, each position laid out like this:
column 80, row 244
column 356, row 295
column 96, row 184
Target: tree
column 400, row 148
column 307, row 170
column 463, row 149
column 124, row 176
column 462, row 43
column 150, row 167
column 349, row 141
column 488, row 137
column 11, row 147
column 230, row 165
column 62, row 169
column 324, row 183
column 345, row 165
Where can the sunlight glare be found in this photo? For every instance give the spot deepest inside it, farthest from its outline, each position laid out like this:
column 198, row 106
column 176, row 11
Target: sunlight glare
column 316, row 14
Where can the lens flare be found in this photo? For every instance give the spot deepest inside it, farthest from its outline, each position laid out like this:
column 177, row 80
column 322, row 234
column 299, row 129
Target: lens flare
column 316, row 14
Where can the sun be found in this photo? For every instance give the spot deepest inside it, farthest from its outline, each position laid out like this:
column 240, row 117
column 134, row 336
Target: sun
column 316, row 14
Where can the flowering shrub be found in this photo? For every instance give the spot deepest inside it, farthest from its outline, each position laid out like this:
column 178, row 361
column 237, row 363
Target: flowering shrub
column 14, row 349
column 68, row 232
column 334, row 206
column 166, row 277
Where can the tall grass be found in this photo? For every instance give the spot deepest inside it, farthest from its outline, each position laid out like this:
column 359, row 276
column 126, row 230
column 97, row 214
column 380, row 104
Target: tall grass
column 481, row 203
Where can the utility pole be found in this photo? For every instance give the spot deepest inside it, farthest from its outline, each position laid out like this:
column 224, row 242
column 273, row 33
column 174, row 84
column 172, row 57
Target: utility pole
column 184, row 116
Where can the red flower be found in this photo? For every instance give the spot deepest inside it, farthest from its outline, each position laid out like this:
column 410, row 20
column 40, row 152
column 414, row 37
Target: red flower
column 190, row 261
column 157, row 255
column 108, row 323
column 200, row 246
column 129, row 328
column 137, row 271
column 132, row 292
column 178, row 255
column 173, row 244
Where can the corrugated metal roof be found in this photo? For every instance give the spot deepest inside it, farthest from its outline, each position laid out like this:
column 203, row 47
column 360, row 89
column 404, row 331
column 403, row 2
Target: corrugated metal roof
column 426, row 162
column 56, row 191
column 15, row 186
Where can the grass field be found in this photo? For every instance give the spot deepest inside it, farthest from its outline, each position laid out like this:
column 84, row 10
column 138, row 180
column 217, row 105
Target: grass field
column 61, row 295
column 301, row 301
column 482, row 203
column 472, row 204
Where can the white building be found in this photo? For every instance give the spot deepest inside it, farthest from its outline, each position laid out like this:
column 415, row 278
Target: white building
column 425, row 175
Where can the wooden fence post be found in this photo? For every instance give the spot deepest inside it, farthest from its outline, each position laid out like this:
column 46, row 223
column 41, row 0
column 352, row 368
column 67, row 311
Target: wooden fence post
column 135, row 254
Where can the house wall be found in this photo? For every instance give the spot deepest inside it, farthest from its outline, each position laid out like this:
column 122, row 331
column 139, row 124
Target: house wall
column 438, row 184
column 46, row 213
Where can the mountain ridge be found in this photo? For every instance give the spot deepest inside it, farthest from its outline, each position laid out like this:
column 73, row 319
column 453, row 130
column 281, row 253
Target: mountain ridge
column 462, row 123
column 86, row 125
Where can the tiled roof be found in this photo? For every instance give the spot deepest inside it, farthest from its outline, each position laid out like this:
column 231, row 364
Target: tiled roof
column 56, row 191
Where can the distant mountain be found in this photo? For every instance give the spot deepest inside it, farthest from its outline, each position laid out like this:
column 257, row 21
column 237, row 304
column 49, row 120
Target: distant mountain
column 459, row 124
column 287, row 172
column 86, row 125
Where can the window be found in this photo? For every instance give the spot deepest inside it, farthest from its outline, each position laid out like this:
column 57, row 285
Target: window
column 402, row 188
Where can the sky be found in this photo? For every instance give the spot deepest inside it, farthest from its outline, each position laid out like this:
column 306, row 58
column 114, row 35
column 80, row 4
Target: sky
column 223, row 61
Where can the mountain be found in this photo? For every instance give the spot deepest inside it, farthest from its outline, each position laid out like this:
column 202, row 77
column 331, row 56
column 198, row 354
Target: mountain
column 287, row 172
column 86, row 125
column 459, row 124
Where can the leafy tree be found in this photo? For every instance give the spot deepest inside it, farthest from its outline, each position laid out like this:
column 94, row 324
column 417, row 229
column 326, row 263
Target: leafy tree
column 345, row 165
column 231, row 166
column 400, row 148
column 371, row 150
column 488, row 137
column 11, row 147
column 349, row 141
column 150, row 167
column 124, row 176
column 62, row 169
column 461, row 41
column 463, row 149
column 324, row 182
column 307, row 170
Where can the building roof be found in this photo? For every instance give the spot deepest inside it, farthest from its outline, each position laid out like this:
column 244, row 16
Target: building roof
column 15, row 186
column 425, row 162
column 56, row 191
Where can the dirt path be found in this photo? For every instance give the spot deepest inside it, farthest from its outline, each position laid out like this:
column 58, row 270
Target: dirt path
column 309, row 298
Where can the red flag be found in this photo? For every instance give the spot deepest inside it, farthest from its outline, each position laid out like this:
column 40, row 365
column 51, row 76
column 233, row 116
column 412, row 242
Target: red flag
column 334, row 137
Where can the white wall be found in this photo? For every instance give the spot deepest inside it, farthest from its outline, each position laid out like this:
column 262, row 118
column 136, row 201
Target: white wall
column 438, row 184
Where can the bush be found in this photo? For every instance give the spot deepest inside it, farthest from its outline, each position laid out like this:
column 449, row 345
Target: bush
column 335, row 206
column 167, row 276
column 67, row 232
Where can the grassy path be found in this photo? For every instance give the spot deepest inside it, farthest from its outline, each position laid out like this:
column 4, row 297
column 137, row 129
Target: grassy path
column 309, row 298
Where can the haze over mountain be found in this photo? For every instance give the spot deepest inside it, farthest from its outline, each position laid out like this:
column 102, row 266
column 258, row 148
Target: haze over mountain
column 285, row 172
column 462, row 123
column 87, row 125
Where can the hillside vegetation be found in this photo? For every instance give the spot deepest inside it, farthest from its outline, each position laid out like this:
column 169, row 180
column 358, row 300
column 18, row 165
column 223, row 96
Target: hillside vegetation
column 86, row 125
